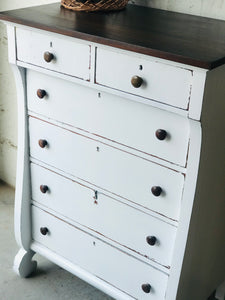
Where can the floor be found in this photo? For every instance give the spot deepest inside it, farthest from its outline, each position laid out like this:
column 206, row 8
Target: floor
column 49, row 282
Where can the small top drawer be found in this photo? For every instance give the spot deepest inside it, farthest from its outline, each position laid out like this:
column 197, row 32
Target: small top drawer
column 144, row 77
column 53, row 52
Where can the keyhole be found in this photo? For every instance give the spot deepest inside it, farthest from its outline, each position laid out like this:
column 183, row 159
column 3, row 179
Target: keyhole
column 140, row 67
column 95, row 197
column 51, row 44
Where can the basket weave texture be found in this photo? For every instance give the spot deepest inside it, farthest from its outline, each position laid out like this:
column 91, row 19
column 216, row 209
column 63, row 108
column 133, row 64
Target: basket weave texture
column 94, row 5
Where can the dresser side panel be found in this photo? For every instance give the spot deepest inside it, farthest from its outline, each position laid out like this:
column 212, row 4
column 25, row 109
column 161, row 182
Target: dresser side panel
column 186, row 208
column 197, row 93
column 204, row 261
column 22, row 219
column 11, row 43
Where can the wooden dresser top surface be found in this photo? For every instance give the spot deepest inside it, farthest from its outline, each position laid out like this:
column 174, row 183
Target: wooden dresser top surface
column 183, row 38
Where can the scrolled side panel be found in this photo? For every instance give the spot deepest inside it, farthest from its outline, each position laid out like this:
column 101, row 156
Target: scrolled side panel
column 22, row 219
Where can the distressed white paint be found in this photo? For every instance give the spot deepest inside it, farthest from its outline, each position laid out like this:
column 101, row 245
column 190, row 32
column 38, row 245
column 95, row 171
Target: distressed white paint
column 106, row 193
column 105, row 261
column 79, row 272
column 69, row 57
column 154, row 74
column 101, row 88
column 99, row 213
column 126, row 175
column 206, row 8
column 81, row 102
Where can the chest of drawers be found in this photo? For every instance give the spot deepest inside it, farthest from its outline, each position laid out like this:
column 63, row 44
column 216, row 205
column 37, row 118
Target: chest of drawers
column 121, row 149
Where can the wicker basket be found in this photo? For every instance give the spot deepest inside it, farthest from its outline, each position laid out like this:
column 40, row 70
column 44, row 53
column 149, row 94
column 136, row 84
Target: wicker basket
column 94, row 5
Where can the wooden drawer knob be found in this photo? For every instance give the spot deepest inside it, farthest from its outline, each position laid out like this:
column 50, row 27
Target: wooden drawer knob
column 156, row 190
column 146, row 287
column 161, row 134
column 44, row 188
column 48, row 57
column 41, row 93
column 136, row 81
column 44, row 230
column 42, row 143
column 151, row 240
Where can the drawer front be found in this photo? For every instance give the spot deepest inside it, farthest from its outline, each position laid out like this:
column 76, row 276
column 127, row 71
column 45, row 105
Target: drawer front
column 70, row 56
column 121, row 223
column 104, row 261
column 161, row 82
column 118, row 119
column 126, row 175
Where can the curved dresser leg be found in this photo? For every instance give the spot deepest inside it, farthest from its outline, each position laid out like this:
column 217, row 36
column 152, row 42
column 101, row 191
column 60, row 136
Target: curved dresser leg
column 23, row 263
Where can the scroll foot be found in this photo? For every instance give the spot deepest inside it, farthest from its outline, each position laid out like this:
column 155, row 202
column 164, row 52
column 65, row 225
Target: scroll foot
column 23, row 264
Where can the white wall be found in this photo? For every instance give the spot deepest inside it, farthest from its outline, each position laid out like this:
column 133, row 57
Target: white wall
column 207, row 8
column 14, row 4
column 8, row 107
column 8, row 115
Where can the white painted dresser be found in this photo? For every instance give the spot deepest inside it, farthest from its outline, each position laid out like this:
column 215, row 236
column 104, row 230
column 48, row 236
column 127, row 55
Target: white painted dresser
column 120, row 161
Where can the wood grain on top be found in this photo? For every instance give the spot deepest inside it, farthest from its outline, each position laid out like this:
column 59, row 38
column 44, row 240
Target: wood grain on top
column 192, row 40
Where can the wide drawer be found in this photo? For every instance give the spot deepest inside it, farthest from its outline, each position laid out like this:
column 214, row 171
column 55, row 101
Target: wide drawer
column 104, row 215
column 161, row 82
column 69, row 56
column 114, row 170
column 118, row 119
column 104, row 261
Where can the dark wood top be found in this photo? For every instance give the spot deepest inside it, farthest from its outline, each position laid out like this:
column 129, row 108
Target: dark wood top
column 179, row 37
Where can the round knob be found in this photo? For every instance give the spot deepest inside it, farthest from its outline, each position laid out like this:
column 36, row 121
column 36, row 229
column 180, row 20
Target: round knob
column 156, row 190
column 42, row 143
column 43, row 188
column 44, row 230
column 41, row 93
column 151, row 240
column 48, row 57
column 146, row 287
column 161, row 134
column 136, row 81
